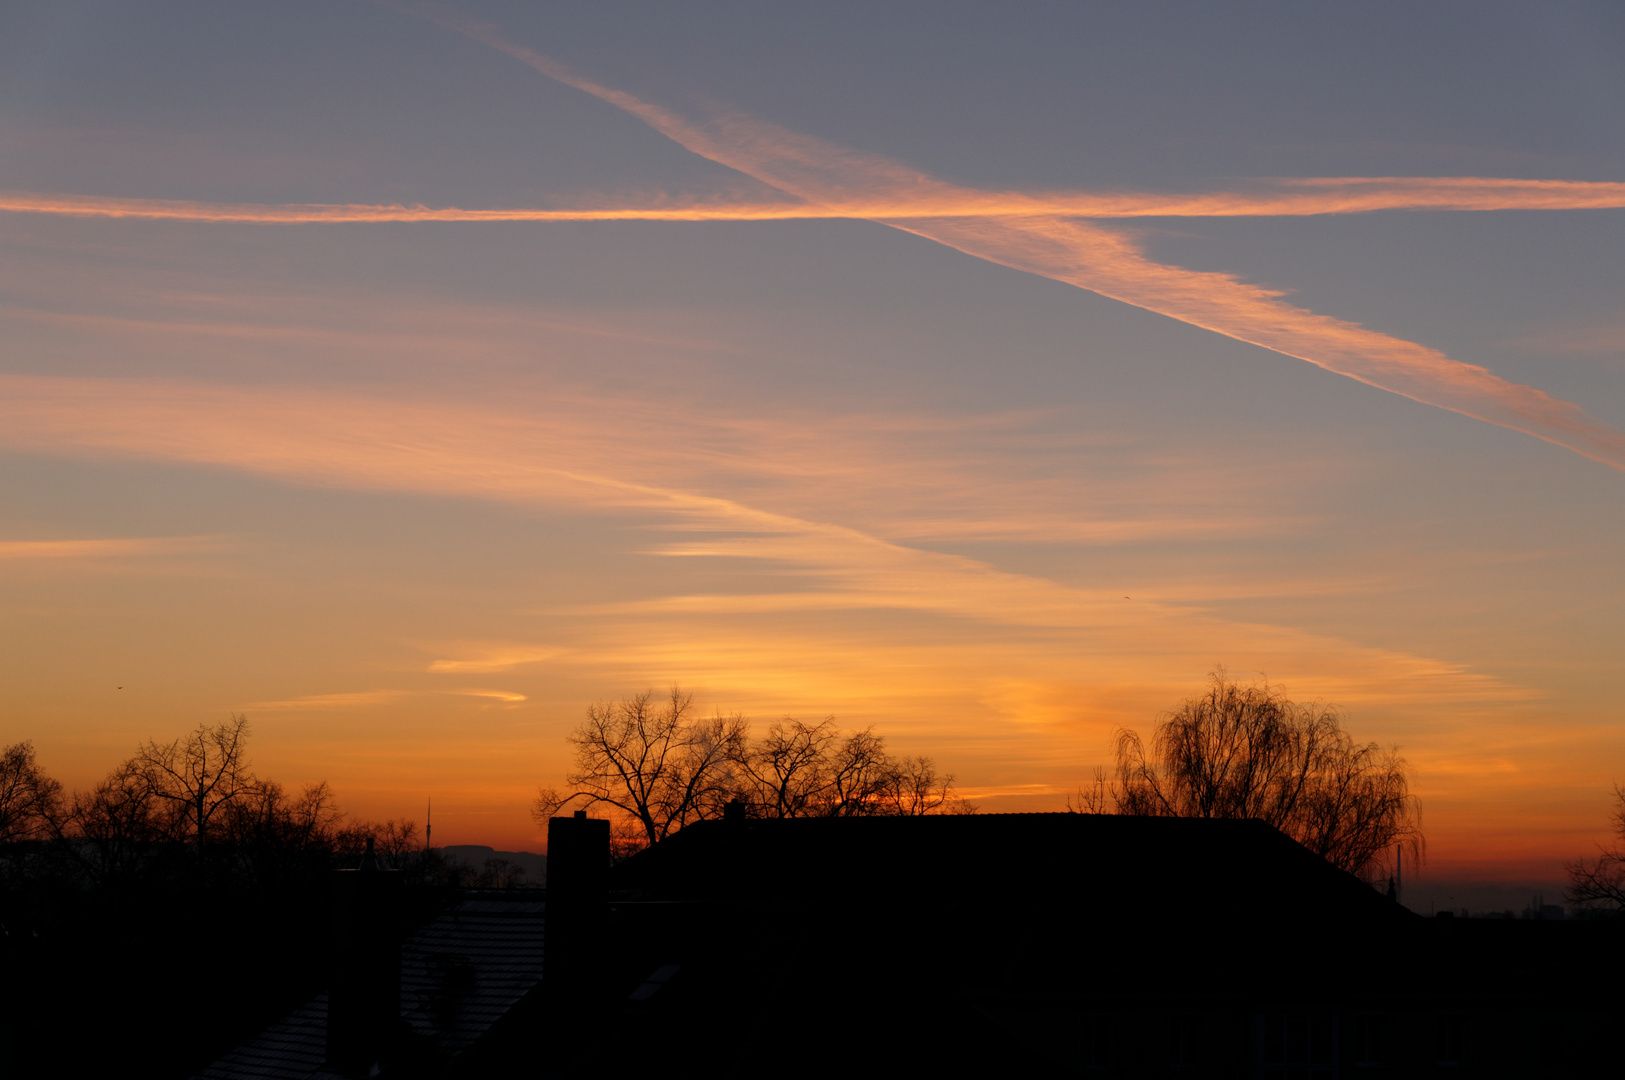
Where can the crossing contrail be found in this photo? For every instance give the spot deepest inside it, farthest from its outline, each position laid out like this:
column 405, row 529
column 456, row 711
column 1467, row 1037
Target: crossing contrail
column 1102, row 261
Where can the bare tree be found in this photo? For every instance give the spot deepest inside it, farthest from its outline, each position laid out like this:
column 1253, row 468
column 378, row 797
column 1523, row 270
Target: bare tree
column 278, row 840
column 1097, row 799
column 395, row 843
column 1357, row 806
column 112, row 829
column 266, row 815
column 200, row 774
column 788, row 774
column 800, row 770
column 500, row 873
column 29, row 800
column 860, row 772
column 912, row 788
column 1249, row 752
column 1602, row 880
column 660, row 766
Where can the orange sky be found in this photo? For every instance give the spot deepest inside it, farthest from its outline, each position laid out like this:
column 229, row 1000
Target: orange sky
column 284, row 431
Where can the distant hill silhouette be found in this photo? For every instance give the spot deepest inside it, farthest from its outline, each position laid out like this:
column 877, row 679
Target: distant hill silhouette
column 475, row 856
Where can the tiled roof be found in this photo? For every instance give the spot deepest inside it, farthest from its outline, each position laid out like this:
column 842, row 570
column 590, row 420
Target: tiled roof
column 460, row 974
column 290, row 1049
column 464, row 970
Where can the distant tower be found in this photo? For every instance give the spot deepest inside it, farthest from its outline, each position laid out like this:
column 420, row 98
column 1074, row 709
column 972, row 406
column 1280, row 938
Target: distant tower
column 428, row 828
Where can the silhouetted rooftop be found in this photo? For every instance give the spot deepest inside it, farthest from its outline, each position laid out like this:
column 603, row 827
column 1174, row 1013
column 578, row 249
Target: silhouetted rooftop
column 1152, row 865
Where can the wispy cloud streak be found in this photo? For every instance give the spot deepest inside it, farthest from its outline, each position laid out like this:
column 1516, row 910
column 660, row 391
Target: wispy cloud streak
column 905, row 478
column 499, row 658
column 811, row 566
column 108, row 548
column 432, row 449
column 1103, row 262
column 368, row 699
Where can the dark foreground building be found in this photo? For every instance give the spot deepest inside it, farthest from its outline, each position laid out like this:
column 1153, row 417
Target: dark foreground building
column 1022, row 944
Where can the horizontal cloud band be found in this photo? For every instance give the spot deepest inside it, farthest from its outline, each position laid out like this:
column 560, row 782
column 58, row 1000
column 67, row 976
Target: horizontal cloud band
column 366, row 442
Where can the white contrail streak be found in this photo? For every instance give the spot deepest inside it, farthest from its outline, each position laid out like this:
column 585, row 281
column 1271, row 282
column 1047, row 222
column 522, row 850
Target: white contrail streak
column 1277, row 197
column 1038, row 233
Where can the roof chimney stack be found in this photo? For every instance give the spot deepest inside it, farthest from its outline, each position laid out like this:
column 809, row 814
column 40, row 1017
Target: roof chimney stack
column 364, row 1001
column 577, row 903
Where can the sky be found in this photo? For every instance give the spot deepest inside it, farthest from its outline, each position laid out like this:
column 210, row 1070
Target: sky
column 408, row 377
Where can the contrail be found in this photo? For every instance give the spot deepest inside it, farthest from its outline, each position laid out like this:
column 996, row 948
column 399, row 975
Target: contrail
column 1101, row 261
column 28, row 202
column 1274, row 197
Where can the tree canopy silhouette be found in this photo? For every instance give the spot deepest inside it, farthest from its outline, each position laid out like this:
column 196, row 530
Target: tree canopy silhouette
column 812, row 770
column 1249, row 752
column 180, row 873
column 660, row 767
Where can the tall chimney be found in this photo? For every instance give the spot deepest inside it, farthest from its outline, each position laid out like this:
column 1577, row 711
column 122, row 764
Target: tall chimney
column 577, row 903
column 364, row 1001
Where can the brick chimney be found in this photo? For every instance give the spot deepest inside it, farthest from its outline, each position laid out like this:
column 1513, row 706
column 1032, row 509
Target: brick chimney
column 364, row 1001
column 577, row 904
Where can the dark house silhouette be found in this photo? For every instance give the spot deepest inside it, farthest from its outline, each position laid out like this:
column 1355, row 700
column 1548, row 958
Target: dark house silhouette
column 1067, row 944
column 1022, row 944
